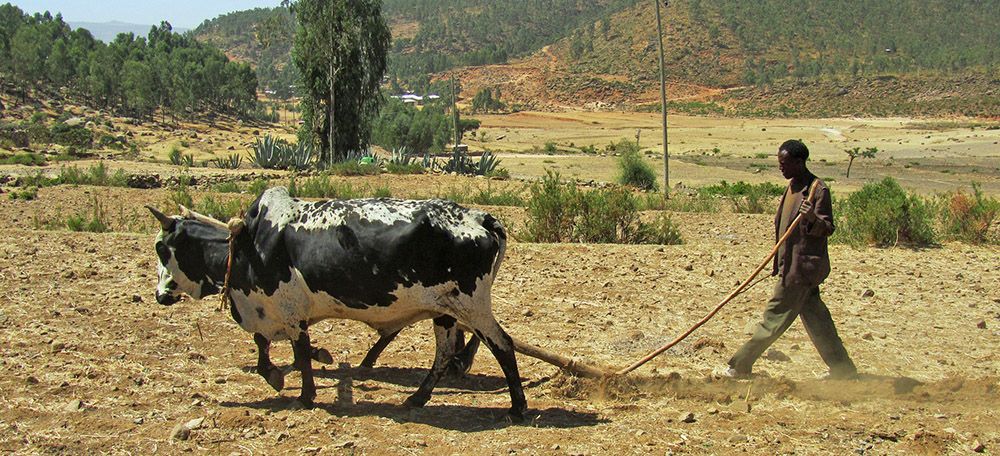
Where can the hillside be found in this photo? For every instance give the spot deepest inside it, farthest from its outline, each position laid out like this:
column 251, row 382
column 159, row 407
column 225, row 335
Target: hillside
column 722, row 57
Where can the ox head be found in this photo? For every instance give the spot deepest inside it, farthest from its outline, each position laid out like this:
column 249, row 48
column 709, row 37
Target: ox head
column 188, row 248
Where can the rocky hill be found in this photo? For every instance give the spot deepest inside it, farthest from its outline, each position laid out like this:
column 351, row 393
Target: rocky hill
column 772, row 57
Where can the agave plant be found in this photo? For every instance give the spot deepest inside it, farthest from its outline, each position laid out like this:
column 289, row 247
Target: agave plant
column 266, row 152
column 401, row 156
column 233, row 161
column 487, row 164
column 299, row 156
column 459, row 163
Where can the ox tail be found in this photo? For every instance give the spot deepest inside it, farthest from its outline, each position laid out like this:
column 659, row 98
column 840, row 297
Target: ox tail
column 496, row 229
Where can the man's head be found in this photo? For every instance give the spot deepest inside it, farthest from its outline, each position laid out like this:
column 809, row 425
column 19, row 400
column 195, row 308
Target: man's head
column 792, row 156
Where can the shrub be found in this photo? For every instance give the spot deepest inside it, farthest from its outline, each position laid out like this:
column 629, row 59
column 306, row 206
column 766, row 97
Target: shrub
column 94, row 175
column 26, row 194
column 634, row 171
column 883, row 214
column 258, row 187
column 76, row 136
column 94, row 222
column 25, row 159
column 967, row 217
column 174, row 155
column 662, row 231
column 490, row 197
column 560, row 212
column 550, row 213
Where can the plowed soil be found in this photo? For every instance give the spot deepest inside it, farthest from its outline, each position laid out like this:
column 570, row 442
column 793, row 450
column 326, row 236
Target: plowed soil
column 92, row 364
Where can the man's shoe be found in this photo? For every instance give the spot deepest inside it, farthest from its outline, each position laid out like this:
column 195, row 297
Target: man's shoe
column 729, row 372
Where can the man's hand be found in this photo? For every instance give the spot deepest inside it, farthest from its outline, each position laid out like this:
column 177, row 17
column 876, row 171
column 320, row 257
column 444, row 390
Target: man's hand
column 807, row 211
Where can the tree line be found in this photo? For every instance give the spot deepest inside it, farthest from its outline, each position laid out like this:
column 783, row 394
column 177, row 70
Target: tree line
column 131, row 75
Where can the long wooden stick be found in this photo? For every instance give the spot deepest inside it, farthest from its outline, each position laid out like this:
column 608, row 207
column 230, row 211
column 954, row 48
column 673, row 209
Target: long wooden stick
column 562, row 362
column 737, row 291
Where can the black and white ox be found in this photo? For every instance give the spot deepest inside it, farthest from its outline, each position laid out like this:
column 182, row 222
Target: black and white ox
column 384, row 262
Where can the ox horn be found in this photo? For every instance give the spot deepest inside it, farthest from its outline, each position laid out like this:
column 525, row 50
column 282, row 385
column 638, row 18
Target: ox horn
column 165, row 221
column 210, row 221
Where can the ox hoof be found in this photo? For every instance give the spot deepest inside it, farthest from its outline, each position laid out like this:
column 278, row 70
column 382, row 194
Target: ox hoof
column 306, row 403
column 516, row 414
column 321, row 355
column 415, row 401
column 276, row 379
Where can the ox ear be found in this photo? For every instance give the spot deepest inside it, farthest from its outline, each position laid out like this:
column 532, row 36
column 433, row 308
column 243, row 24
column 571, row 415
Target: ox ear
column 165, row 222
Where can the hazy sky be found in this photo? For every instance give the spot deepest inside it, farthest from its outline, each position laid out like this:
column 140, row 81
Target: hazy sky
column 180, row 13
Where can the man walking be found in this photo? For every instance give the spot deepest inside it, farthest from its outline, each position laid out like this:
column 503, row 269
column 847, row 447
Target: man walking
column 802, row 263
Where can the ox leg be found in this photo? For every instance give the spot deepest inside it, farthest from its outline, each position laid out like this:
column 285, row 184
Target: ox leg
column 502, row 347
column 465, row 354
column 274, row 376
column 303, row 362
column 376, row 350
column 445, row 331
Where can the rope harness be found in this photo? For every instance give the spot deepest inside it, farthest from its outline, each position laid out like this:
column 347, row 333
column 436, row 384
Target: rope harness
column 236, row 225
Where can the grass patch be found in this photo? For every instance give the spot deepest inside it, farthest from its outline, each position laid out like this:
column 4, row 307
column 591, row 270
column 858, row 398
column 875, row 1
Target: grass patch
column 226, row 187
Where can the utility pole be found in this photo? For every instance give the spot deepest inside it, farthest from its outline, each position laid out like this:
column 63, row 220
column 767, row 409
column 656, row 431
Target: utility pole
column 454, row 113
column 663, row 102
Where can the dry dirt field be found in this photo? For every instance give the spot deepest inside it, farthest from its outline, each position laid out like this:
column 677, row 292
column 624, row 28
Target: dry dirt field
column 93, row 365
column 927, row 156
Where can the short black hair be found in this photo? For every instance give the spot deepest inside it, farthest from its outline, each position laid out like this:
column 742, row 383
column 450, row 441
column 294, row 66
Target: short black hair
column 795, row 148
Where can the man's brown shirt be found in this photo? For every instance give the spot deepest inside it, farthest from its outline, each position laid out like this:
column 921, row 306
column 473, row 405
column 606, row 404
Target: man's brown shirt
column 805, row 260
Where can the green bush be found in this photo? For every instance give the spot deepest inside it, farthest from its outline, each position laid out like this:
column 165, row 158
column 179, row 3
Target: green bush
column 883, row 214
column 560, row 212
column 258, row 187
column 75, row 136
column 25, row 159
column 662, row 231
column 26, row 194
column 966, row 217
column 634, row 171
column 747, row 198
column 94, row 175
